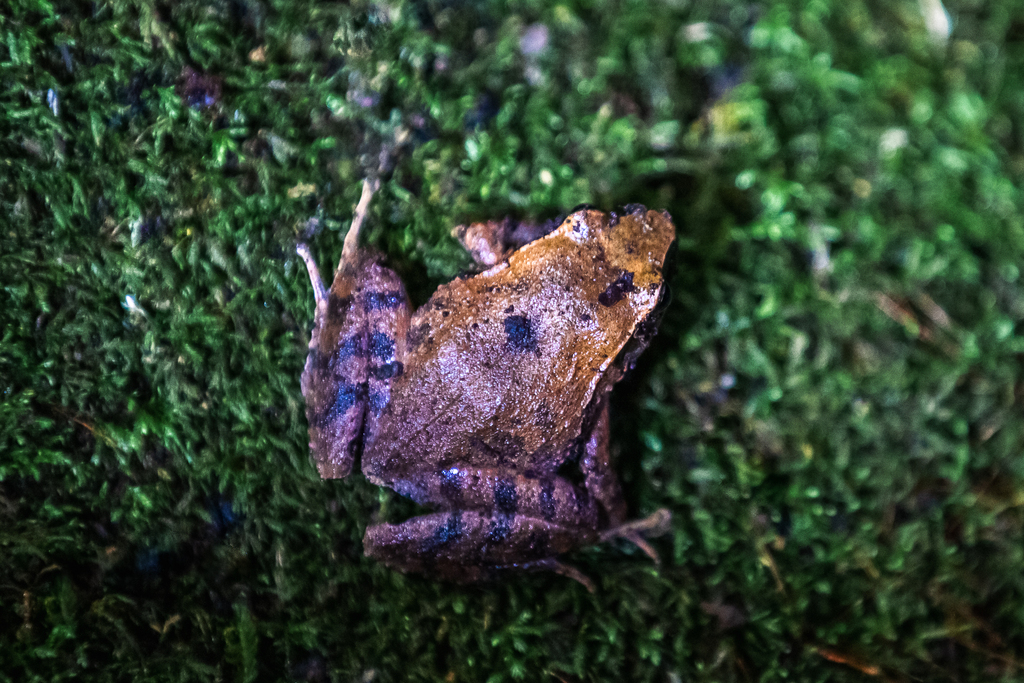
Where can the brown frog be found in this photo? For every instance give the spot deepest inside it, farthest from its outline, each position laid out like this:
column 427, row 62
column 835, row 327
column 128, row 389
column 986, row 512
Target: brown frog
column 490, row 402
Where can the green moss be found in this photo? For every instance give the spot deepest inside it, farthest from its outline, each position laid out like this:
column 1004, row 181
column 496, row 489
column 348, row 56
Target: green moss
column 830, row 410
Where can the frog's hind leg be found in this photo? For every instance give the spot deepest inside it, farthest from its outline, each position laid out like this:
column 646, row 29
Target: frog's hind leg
column 334, row 381
column 387, row 310
column 497, row 521
column 460, row 487
column 560, row 568
column 469, row 546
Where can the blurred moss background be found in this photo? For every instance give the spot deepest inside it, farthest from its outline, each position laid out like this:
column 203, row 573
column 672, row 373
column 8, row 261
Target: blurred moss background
column 831, row 410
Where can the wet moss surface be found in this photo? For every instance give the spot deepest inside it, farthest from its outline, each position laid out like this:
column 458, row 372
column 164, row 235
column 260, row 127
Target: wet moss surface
column 830, row 409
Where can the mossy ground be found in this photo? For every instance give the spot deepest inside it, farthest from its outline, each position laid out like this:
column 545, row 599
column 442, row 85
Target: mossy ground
column 832, row 409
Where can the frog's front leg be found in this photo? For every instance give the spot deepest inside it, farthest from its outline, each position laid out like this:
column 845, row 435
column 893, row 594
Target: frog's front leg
column 490, row 242
column 599, row 478
column 603, row 484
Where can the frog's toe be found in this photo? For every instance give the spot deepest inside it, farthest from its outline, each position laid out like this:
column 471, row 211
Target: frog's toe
column 319, row 290
column 636, row 532
column 561, row 568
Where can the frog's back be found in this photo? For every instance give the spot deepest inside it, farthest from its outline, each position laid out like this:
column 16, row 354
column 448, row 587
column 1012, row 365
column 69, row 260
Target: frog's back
column 501, row 367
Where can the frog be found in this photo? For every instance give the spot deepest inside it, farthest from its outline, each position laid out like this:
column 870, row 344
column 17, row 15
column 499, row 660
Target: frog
column 488, row 405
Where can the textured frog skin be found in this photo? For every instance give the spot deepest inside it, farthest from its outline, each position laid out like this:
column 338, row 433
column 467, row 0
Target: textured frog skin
column 480, row 402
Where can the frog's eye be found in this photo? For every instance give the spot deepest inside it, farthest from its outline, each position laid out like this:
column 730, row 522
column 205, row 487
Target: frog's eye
column 617, row 290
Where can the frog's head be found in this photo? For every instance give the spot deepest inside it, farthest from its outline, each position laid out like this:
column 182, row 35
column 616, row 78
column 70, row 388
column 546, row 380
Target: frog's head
column 633, row 241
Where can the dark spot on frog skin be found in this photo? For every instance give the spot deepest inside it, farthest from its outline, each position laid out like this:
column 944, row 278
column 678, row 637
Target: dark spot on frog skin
column 377, row 402
column 387, row 371
column 506, row 498
column 383, row 301
column 450, row 531
column 617, row 290
column 353, row 347
column 613, row 219
column 547, row 499
column 346, row 397
column 501, row 526
column 510, row 309
column 634, row 209
column 451, row 484
column 519, row 333
column 382, row 346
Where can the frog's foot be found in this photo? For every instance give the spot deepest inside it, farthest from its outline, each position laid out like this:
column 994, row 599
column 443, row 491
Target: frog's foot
column 468, row 545
column 485, row 242
column 319, row 290
column 350, row 249
column 656, row 524
column 491, row 242
column 562, row 569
